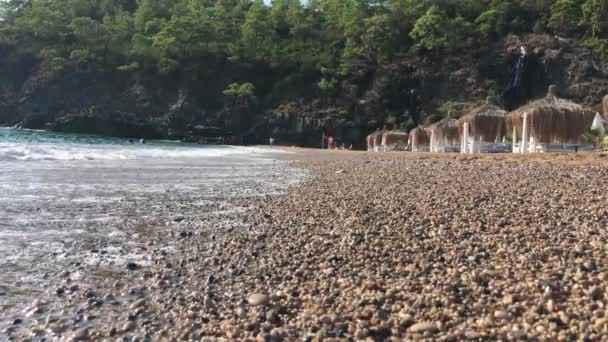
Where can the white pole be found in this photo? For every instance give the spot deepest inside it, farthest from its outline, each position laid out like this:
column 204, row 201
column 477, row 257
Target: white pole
column 466, row 138
column 524, row 135
column 598, row 124
column 432, row 148
column 473, row 145
column 462, row 139
column 532, row 147
column 514, row 142
column 469, row 147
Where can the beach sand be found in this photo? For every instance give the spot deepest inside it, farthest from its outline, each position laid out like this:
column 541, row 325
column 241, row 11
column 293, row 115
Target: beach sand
column 378, row 247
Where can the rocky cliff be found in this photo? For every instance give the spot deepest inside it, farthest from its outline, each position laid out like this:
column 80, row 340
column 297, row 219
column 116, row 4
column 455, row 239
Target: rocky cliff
column 401, row 94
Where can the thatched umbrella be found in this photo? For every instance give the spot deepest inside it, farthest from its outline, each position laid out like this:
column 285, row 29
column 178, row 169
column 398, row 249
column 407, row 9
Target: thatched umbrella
column 486, row 123
column 370, row 142
column 552, row 120
column 374, row 140
column 393, row 139
column 419, row 138
column 377, row 138
column 445, row 132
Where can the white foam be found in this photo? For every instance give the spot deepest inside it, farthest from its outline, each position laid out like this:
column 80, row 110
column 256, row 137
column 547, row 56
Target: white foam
column 33, row 151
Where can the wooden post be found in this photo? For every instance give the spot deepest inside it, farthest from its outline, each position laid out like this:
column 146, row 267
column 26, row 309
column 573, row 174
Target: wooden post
column 514, row 142
column 432, row 147
column 466, row 138
column 524, row 135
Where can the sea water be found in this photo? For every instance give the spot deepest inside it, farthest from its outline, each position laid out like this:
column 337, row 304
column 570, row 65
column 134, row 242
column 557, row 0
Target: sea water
column 65, row 197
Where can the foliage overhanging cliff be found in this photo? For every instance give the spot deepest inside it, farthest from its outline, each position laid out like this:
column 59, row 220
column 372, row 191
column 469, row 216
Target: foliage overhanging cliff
column 187, row 68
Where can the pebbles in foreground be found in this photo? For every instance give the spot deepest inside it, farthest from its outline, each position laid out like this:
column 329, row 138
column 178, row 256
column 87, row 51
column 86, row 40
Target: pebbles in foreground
column 389, row 248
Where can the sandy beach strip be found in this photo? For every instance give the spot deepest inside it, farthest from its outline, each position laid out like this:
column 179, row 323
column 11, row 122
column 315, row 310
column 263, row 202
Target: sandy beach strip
column 390, row 247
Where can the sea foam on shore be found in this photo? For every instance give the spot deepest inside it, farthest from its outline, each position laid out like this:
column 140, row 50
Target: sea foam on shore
column 74, row 215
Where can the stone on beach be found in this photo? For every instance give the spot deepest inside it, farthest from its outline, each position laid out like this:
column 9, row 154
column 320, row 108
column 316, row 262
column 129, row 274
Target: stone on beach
column 404, row 248
column 257, row 299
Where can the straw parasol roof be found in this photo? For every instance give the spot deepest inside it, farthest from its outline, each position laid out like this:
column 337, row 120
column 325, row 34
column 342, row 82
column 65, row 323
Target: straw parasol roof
column 419, row 136
column 486, row 123
column 446, row 132
column 395, row 138
column 374, row 139
column 377, row 138
column 370, row 141
column 552, row 120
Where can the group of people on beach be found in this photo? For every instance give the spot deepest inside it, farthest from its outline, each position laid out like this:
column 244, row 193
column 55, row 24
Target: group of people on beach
column 331, row 143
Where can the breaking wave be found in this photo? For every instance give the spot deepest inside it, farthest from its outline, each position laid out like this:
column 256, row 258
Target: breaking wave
column 19, row 145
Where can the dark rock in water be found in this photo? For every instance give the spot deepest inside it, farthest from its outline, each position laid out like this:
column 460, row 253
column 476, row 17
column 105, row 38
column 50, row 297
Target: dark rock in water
column 60, row 291
column 17, row 321
column 185, row 234
column 89, row 294
column 179, row 219
column 211, row 279
column 132, row 266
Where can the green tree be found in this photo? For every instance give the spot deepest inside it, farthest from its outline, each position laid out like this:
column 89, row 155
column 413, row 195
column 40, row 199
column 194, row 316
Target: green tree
column 431, row 31
column 257, row 33
column 565, row 16
column 595, row 16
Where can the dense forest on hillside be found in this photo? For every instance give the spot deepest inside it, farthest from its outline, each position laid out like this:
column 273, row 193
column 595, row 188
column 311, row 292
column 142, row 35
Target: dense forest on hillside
column 242, row 68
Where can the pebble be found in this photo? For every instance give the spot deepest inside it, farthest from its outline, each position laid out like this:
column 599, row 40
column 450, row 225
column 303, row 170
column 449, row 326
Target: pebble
column 501, row 314
column 129, row 326
column 257, row 299
column 326, row 319
column 438, row 241
column 81, row 335
column 423, row 327
column 138, row 303
column 597, row 293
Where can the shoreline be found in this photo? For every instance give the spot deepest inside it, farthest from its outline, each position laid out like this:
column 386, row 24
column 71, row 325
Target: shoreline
column 386, row 245
column 124, row 222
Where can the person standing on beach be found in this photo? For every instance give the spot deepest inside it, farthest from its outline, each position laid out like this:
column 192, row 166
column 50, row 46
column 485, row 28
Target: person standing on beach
column 330, row 143
column 271, row 141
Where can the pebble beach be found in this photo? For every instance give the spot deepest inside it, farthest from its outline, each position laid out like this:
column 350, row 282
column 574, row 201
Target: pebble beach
column 371, row 247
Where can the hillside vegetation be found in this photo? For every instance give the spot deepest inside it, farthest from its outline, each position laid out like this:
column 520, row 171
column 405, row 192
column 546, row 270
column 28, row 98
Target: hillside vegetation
column 189, row 68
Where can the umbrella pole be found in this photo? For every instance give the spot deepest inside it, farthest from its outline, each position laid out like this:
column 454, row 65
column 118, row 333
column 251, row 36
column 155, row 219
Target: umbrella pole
column 524, row 135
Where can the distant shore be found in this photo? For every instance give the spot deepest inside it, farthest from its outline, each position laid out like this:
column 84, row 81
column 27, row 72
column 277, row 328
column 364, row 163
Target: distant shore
column 374, row 246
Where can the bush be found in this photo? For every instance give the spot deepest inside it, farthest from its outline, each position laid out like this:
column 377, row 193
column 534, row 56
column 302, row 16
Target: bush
column 599, row 47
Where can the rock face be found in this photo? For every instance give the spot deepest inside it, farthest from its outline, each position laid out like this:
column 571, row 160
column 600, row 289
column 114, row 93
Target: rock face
column 401, row 94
